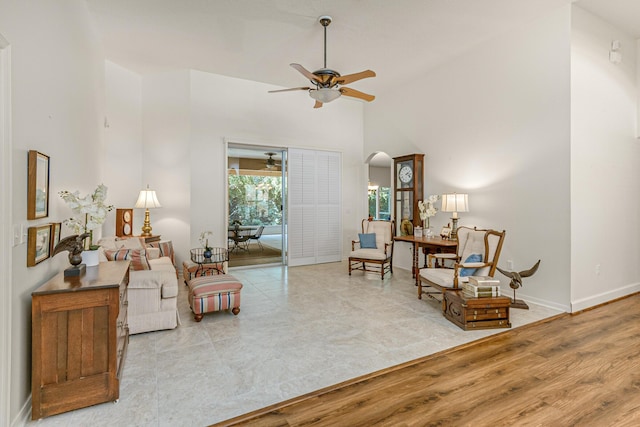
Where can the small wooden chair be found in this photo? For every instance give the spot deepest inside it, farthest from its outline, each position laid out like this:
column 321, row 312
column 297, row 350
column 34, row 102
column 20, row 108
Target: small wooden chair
column 377, row 256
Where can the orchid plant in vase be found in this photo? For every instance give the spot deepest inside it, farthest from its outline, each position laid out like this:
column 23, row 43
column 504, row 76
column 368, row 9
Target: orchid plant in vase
column 204, row 241
column 91, row 210
column 427, row 210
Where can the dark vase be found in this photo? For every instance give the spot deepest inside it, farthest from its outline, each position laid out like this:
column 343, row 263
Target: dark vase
column 207, row 254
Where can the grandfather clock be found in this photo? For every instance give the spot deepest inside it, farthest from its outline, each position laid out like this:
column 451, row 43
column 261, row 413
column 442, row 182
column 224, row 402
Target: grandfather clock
column 408, row 190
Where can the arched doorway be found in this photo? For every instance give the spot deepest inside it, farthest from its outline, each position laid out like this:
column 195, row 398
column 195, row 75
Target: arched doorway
column 379, row 187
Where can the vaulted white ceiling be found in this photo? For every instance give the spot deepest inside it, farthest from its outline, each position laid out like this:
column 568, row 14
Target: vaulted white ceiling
column 258, row 39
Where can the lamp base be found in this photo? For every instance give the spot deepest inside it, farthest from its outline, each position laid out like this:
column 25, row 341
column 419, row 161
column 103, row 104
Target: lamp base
column 146, row 227
column 454, row 228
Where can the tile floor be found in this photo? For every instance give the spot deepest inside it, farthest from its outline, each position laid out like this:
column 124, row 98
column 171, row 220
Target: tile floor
column 299, row 329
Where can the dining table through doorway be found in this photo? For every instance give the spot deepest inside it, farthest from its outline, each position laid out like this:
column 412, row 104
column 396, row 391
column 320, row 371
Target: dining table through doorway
column 240, row 235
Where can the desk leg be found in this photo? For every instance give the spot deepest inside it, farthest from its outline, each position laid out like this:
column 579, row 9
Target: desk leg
column 416, row 252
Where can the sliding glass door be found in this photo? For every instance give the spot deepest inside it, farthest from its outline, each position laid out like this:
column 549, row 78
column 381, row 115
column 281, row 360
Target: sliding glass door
column 256, row 180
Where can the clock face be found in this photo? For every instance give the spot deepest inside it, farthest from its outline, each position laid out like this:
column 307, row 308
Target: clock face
column 127, row 216
column 405, row 174
column 126, row 229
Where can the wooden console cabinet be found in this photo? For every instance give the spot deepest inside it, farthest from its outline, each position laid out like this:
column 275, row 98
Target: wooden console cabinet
column 476, row 313
column 79, row 339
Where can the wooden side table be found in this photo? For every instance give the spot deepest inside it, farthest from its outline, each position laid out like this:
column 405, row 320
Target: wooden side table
column 476, row 313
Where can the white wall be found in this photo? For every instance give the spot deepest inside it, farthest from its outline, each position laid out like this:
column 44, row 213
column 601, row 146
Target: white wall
column 495, row 123
column 57, row 106
column 122, row 129
column 243, row 111
column 380, row 176
column 166, row 158
column 605, row 179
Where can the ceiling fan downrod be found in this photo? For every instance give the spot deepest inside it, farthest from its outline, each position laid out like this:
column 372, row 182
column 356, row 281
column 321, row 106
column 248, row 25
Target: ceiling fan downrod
column 325, row 21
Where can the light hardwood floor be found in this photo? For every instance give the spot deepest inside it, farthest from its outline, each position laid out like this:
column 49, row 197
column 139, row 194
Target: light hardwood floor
column 569, row 370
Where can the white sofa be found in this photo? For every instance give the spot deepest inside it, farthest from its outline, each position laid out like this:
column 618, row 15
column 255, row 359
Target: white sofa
column 153, row 293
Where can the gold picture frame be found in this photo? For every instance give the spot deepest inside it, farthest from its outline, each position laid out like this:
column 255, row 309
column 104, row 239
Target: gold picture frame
column 38, row 244
column 445, row 233
column 37, row 185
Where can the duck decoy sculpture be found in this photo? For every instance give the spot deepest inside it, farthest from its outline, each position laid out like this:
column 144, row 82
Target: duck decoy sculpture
column 516, row 282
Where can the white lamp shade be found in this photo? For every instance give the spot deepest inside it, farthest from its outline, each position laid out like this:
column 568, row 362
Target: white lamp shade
column 455, row 202
column 324, row 94
column 148, row 199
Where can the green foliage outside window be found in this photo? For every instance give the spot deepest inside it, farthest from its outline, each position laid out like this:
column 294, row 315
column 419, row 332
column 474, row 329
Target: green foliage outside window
column 382, row 195
column 255, row 200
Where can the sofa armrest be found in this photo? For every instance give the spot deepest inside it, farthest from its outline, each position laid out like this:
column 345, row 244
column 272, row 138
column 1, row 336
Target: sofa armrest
column 164, row 280
column 166, row 249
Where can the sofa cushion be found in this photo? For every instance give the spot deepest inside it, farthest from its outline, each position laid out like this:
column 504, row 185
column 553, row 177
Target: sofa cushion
column 108, row 243
column 138, row 257
column 162, row 264
column 166, row 249
column 152, row 253
column 131, row 243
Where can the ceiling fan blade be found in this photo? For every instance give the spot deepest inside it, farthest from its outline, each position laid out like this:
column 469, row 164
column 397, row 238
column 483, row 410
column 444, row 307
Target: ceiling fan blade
column 308, row 74
column 287, row 90
column 350, row 78
column 356, row 94
column 318, row 104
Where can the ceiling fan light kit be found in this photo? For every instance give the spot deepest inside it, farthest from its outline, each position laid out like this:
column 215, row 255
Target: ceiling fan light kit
column 326, row 82
column 324, row 94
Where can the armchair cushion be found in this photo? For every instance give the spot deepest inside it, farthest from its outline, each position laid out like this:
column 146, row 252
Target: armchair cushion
column 468, row 268
column 375, row 254
column 367, row 241
column 442, row 277
column 138, row 257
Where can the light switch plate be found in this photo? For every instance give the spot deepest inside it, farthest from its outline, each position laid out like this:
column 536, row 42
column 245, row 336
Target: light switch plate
column 24, row 229
column 17, row 234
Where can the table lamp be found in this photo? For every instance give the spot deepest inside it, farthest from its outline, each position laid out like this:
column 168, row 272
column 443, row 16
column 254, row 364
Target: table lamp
column 455, row 203
column 147, row 199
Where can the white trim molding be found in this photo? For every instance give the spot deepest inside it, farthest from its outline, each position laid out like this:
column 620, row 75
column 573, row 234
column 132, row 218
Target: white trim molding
column 6, row 235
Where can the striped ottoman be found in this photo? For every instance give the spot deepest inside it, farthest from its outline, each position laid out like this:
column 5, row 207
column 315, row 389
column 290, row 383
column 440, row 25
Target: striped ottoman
column 214, row 293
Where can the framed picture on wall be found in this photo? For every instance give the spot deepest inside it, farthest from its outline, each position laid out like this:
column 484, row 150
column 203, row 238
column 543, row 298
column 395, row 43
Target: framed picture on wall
column 38, row 244
column 55, row 235
column 37, row 185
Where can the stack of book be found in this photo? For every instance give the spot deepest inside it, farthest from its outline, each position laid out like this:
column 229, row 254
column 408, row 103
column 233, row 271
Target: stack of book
column 481, row 287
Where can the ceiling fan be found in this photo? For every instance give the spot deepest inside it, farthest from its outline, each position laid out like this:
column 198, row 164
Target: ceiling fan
column 271, row 163
column 327, row 83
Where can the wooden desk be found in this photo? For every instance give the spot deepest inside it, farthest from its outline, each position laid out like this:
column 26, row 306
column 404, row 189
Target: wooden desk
column 430, row 245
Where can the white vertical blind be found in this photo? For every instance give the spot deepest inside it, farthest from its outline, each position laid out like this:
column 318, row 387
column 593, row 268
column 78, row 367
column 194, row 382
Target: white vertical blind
column 315, row 227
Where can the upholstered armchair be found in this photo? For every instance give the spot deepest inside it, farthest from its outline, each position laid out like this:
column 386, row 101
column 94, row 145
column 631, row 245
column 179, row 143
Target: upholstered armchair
column 477, row 255
column 373, row 251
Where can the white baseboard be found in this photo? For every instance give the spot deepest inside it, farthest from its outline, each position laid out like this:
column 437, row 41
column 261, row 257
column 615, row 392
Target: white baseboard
column 533, row 300
column 594, row 300
column 24, row 416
